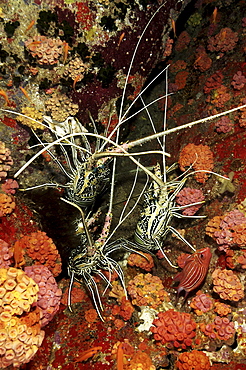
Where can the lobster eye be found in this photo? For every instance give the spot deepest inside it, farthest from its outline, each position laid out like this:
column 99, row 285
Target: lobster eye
column 202, row 256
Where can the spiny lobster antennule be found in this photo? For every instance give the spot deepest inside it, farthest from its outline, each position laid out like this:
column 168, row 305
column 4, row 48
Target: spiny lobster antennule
column 194, row 271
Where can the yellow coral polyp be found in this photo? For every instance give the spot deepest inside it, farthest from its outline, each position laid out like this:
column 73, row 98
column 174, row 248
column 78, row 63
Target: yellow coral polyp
column 12, row 333
column 35, row 118
column 5, row 316
column 7, row 205
column 12, row 272
column 3, row 335
column 20, row 287
column 10, row 284
column 2, row 292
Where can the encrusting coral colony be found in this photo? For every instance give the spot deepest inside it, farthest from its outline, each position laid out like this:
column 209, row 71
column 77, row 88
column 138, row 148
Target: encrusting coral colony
column 63, row 62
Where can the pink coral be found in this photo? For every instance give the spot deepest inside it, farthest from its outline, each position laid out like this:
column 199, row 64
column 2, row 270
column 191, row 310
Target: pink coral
column 188, row 196
column 224, row 125
column 174, row 329
column 201, row 303
column 221, row 328
column 46, row 50
column 147, row 290
column 232, row 219
column 6, row 254
column 199, row 157
column 194, row 360
column 224, row 41
column 49, row 294
column 227, row 285
column 238, row 80
column 231, row 230
column 9, row 186
column 213, row 82
column 6, row 160
column 7, row 205
column 144, row 261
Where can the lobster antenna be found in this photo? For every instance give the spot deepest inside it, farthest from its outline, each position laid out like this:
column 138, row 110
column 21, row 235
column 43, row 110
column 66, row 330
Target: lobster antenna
column 88, row 236
column 121, row 115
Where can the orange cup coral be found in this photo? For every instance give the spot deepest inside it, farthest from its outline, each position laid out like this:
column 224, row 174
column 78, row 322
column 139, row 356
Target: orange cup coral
column 41, row 249
column 194, row 360
column 7, row 205
column 199, row 157
column 141, row 361
column 222, row 309
column 20, row 325
column 147, row 290
column 146, row 263
column 174, row 329
column 227, row 285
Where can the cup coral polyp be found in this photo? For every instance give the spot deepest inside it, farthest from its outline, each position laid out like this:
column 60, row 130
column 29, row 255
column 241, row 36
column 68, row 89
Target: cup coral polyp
column 194, row 360
column 174, row 329
column 146, row 263
column 125, row 310
column 199, row 157
column 46, row 50
column 227, row 285
column 147, row 290
column 6, row 254
column 41, row 249
column 221, row 328
column 20, row 329
column 201, row 303
column 224, row 41
column 60, row 107
column 9, row 186
column 188, row 196
column 222, row 309
column 49, row 295
column 228, row 230
column 7, row 204
column 35, row 115
column 6, row 160
column 141, row 361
